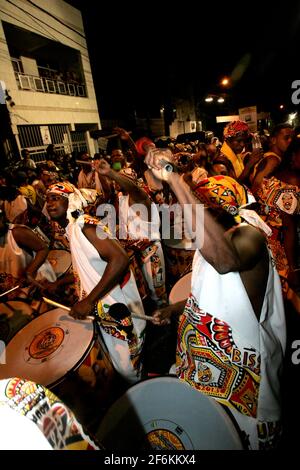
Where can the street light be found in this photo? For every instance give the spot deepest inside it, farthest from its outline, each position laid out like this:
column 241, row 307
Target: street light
column 225, row 81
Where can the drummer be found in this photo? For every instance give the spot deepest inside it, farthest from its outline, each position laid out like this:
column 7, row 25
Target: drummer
column 142, row 228
column 22, row 256
column 232, row 333
column 100, row 266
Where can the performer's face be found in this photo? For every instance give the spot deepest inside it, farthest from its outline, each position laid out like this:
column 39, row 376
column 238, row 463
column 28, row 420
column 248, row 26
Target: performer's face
column 57, row 206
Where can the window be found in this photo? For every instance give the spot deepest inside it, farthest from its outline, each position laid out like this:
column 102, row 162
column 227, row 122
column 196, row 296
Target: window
column 50, row 86
column 25, row 82
column 61, row 88
column 38, row 83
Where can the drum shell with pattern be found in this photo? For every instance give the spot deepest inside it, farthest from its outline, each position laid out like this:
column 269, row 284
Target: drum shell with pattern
column 63, row 354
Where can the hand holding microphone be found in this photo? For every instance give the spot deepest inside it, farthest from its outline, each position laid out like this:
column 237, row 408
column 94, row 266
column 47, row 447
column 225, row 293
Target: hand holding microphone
column 161, row 163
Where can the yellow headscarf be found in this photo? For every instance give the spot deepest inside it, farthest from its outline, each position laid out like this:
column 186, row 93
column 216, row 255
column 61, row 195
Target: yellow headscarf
column 227, row 193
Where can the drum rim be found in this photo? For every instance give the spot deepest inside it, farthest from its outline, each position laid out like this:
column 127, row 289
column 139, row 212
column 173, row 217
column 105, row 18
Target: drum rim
column 77, row 364
column 174, row 378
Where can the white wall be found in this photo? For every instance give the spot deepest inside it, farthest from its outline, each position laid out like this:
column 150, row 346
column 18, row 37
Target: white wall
column 44, row 108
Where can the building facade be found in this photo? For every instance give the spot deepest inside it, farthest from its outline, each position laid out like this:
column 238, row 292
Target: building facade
column 47, row 91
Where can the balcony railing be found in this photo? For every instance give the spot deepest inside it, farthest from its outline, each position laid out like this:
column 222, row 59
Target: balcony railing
column 47, row 85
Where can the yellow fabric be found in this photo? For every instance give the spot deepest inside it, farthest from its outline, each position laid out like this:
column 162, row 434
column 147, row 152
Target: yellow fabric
column 222, row 191
column 236, row 160
column 28, row 192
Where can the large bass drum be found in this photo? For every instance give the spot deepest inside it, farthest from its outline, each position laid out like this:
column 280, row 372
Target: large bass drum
column 166, row 414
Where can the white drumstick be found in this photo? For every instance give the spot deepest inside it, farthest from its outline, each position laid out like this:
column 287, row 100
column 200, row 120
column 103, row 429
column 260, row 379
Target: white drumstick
column 68, row 309
column 10, row 290
column 141, row 316
column 56, row 304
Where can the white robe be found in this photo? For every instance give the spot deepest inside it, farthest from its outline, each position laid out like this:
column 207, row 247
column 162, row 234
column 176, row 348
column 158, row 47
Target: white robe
column 248, row 347
column 89, row 266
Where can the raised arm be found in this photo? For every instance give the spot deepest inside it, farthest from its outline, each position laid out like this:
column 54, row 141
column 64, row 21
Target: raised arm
column 124, row 135
column 217, row 247
column 137, row 195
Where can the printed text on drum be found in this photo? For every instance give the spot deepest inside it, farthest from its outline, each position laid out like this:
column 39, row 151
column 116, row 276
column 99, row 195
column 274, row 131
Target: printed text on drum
column 151, row 459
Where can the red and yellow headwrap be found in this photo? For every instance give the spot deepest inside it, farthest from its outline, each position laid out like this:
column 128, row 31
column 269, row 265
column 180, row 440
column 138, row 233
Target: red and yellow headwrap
column 235, row 128
column 222, row 191
column 62, row 188
column 227, row 193
column 76, row 200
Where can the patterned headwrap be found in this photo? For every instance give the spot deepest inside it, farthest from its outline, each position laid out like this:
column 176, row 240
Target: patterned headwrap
column 227, row 193
column 235, row 128
column 76, row 200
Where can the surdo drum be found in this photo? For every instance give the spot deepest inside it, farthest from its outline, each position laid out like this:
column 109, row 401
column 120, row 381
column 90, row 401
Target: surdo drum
column 54, row 349
column 60, row 261
column 181, row 290
column 165, row 413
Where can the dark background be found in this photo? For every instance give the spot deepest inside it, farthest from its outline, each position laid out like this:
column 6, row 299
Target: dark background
column 143, row 54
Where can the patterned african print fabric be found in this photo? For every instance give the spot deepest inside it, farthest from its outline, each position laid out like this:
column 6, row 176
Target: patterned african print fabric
column 52, row 417
column 225, row 192
column 275, row 197
column 150, row 256
column 89, row 267
column 224, row 351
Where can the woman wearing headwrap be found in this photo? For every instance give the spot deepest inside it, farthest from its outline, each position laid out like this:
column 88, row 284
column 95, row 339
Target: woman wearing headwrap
column 236, row 135
column 232, row 326
column 101, row 268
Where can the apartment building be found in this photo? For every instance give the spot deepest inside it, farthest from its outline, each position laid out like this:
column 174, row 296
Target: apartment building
column 46, row 86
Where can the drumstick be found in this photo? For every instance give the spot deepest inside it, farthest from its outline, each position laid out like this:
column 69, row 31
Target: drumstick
column 141, row 316
column 56, row 304
column 10, row 290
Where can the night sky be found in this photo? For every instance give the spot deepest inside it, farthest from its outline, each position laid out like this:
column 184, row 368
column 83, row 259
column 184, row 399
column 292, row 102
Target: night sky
column 145, row 53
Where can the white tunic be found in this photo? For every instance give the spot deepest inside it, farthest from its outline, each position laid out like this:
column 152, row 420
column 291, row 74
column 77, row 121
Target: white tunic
column 227, row 353
column 89, row 266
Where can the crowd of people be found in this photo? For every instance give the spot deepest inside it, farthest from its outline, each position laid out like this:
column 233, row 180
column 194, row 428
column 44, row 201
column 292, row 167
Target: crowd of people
column 108, row 211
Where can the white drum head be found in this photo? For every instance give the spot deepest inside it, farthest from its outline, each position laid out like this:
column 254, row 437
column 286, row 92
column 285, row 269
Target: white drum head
column 47, row 348
column 181, row 290
column 165, row 413
column 20, row 433
column 60, row 261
